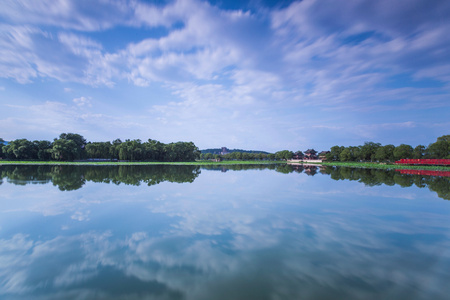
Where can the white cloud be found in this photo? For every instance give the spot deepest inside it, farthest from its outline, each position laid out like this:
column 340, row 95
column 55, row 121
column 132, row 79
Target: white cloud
column 81, row 216
column 83, row 101
column 212, row 40
column 245, row 66
column 16, row 55
column 70, row 14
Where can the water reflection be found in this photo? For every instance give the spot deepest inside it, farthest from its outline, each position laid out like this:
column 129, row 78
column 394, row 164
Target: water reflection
column 256, row 234
column 69, row 178
column 225, row 168
column 375, row 177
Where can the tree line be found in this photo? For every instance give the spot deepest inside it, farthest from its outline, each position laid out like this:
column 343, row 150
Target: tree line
column 373, row 152
column 238, row 156
column 280, row 155
column 72, row 146
column 221, row 150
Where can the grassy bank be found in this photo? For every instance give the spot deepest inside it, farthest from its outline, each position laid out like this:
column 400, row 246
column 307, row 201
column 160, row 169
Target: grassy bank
column 368, row 165
column 113, row 163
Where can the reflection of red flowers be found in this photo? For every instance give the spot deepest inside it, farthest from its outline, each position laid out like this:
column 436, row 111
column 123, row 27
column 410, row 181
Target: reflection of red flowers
column 437, row 162
column 424, row 172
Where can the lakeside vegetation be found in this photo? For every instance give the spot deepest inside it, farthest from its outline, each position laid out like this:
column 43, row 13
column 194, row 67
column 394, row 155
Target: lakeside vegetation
column 375, row 152
column 72, row 147
column 142, row 163
column 384, row 166
column 226, row 150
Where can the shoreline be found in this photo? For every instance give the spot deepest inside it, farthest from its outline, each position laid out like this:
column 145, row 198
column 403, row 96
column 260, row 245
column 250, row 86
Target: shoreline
column 384, row 166
column 362, row 165
column 140, row 163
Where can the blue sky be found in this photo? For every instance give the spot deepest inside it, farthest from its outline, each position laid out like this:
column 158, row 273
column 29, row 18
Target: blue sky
column 262, row 75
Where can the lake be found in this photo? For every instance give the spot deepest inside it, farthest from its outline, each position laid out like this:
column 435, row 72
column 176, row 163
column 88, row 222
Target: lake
column 242, row 232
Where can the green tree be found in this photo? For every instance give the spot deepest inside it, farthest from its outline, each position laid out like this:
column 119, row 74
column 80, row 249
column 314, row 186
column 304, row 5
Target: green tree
column 445, row 138
column 2, row 143
column 238, row 155
column 44, row 149
column 154, row 150
column 246, row 156
column 439, row 149
column 345, row 155
column 79, row 142
column 131, row 150
column 350, row 154
column 189, row 152
column 335, row 153
column 385, row 153
column 261, row 156
column 114, row 150
column 20, row 149
column 403, row 151
column 284, row 155
column 98, row 150
column 63, row 149
column 368, row 150
column 419, row 151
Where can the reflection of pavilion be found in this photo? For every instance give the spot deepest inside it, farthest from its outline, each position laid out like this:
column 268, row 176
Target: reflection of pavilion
column 297, row 167
column 310, row 170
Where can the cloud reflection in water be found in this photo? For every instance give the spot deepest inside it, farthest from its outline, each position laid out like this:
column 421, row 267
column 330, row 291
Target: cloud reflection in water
column 234, row 235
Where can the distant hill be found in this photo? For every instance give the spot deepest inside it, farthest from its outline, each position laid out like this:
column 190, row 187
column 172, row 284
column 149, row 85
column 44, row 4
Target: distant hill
column 226, row 150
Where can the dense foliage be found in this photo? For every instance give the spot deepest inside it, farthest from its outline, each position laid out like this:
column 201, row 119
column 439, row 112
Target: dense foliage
column 72, row 146
column 238, row 156
column 389, row 153
column 220, row 151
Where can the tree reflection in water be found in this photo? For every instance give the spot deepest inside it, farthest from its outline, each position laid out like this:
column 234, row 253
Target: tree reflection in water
column 68, row 178
column 374, row 177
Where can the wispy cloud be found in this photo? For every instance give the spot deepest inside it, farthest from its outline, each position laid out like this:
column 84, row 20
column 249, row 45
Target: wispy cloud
column 311, row 57
column 68, row 14
column 83, row 101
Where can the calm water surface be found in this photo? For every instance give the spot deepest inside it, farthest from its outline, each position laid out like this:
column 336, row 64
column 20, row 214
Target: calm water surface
column 185, row 232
